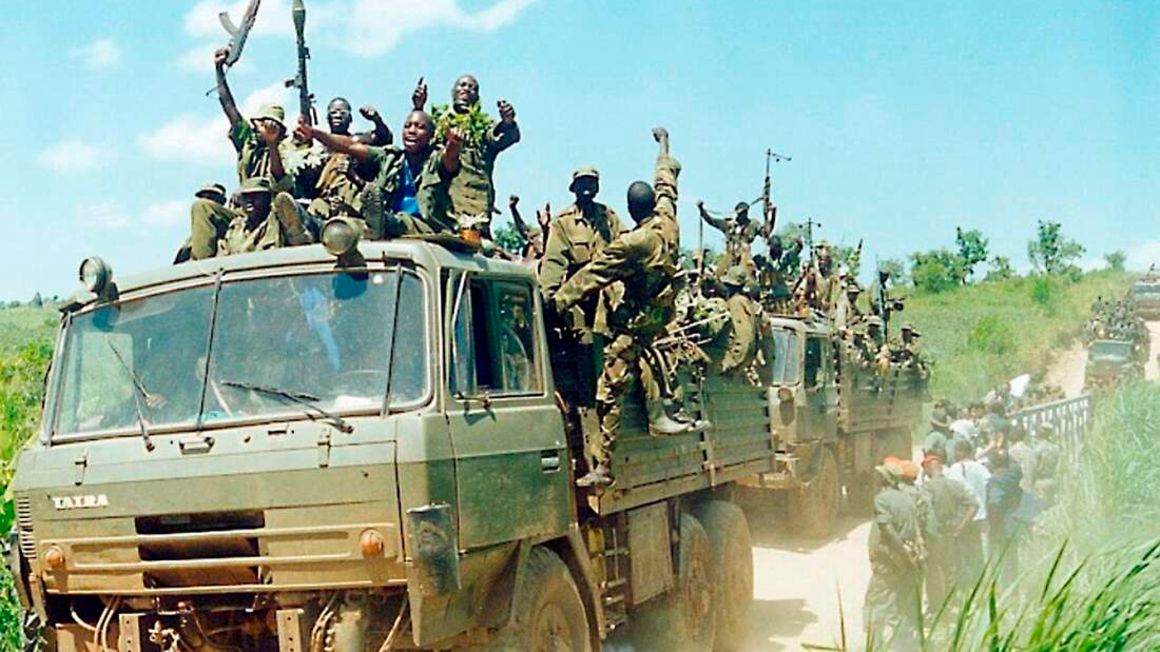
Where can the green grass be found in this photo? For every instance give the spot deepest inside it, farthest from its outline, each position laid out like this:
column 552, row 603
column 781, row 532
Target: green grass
column 982, row 335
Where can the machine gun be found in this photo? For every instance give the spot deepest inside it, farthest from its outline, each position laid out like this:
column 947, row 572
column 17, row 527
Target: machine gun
column 305, row 97
column 238, row 34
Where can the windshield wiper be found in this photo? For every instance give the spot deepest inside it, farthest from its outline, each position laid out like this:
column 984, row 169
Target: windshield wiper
column 139, row 394
column 301, row 398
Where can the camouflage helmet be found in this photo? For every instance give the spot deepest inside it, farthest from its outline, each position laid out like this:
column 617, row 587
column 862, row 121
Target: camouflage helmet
column 257, row 185
column 580, row 173
column 273, row 112
column 211, row 191
column 873, row 321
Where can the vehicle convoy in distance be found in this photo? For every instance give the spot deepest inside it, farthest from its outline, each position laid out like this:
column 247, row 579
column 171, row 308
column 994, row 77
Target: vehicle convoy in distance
column 370, row 446
column 1112, row 362
column 1146, row 292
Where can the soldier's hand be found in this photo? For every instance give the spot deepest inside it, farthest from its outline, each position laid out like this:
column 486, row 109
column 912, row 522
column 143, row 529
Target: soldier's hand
column 455, row 137
column 269, row 131
column 660, row 134
column 507, row 112
column 219, row 57
column 419, row 95
column 369, row 112
column 544, row 217
column 514, row 201
column 700, row 205
column 304, row 131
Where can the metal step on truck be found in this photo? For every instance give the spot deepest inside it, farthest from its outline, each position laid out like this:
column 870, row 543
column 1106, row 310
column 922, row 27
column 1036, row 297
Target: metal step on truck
column 360, row 447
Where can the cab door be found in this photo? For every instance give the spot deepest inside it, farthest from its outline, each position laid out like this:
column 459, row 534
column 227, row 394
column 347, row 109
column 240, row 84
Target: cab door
column 512, row 465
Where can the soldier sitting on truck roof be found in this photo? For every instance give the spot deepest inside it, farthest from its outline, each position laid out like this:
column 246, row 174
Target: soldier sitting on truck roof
column 218, row 230
column 647, row 257
column 409, row 193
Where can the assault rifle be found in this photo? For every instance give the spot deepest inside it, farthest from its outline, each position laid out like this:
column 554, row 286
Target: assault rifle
column 305, row 97
column 238, row 34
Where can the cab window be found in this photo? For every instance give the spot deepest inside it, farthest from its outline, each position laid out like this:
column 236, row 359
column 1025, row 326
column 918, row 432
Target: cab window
column 494, row 343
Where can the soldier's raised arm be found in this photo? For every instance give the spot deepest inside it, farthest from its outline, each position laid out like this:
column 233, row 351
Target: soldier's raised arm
column 225, row 97
column 517, row 218
column 554, row 265
column 380, row 135
column 715, row 222
column 350, row 145
column 665, row 181
column 507, row 131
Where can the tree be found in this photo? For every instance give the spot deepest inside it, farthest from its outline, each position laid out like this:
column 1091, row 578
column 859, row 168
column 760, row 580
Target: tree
column 896, row 269
column 37, row 301
column 937, row 270
column 1116, row 260
column 972, row 248
column 999, row 269
column 509, row 239
column 1051, row 253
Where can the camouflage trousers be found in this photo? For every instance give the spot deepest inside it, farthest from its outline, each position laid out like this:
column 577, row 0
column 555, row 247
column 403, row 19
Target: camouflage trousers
column 892, row 611
column 625, row 357
column 209, row 225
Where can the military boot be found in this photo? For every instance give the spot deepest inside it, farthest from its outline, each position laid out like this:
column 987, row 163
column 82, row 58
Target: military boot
column 681, row 415
column 287, row 212
column 372, row 212
column 659, row 422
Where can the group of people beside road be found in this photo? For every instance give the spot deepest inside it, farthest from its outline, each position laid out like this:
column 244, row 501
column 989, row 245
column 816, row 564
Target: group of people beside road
column 982, row 481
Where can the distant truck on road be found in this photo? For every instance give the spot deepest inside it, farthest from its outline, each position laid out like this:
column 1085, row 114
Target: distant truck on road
column 1146, row 292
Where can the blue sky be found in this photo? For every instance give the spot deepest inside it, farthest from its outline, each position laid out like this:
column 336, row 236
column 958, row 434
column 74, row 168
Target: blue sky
column 904, row 119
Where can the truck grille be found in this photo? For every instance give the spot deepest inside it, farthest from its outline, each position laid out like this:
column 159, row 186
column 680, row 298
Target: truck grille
column 225, row 546
column 24, row 523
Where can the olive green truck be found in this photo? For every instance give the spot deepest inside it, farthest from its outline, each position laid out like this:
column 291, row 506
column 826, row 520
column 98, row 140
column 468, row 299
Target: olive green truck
column 361, row 447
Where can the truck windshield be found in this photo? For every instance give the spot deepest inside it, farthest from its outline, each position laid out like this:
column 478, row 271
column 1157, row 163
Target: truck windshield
column 325, row 339
column 1109, row 350
column 786, row 358
column 1145, row 288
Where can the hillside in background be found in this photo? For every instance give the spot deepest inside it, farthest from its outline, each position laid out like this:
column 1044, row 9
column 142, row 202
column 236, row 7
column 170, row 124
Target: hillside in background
column 984, row 334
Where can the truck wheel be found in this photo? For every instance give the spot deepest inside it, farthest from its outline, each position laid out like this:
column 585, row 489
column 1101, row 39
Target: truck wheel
column 813, row 506
column 683, row 620
column 548, row 614
column 728, row 532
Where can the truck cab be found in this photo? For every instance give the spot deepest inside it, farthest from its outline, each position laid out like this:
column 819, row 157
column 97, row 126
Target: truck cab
column 355, row 449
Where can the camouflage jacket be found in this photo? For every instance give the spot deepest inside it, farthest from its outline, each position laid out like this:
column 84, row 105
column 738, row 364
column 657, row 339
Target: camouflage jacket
column 472, row 190
column 432, row 183
column 254, row 157
column 573, row 241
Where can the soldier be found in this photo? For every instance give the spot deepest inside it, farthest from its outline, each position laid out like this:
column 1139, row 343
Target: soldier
column 892, row 604
column 256, row 226
column 739, row 234
column 472, row 190
column 533, row 236
column 261, row 141
column 577, row 235
column 647, row 257
column 1048, row 453
column 214, row 192
column 954, row 509
column 409, row 194
column 742, row 344
column 847, row 315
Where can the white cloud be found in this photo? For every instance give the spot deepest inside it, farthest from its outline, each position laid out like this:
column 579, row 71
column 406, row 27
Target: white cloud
column 166, row 213
column 373, row 27
column 103, row 215
column 72, row 155
column 190, row 139
column 1143, row 256
column 100, row 54
column 205, row 141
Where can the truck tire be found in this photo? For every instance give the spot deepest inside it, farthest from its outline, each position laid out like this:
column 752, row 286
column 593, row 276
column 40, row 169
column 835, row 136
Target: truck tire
column 547, row 613
column 728, row 532
column 684, row 620
column 813, row 506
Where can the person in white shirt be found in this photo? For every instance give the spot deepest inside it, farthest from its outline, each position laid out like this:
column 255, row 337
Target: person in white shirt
column 970, row 543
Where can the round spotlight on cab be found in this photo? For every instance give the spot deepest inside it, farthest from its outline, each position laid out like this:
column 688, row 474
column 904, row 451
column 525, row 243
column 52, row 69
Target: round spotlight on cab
column 95, row 274
column 371, row 543
column 339, row 236
column 54, row 558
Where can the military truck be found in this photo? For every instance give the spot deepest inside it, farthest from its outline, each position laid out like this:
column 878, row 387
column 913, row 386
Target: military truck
column 1111, row 362
column 1146, row 292
column 833, row 420
column 360, row 446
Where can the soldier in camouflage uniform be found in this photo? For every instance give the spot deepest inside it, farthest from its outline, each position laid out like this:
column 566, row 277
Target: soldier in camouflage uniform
column 742, row 345
column 472, row 190
column 260, row 142
column 577, row 235
column 647, row 257
column 739, row 232
column 409, row 191
column 253, row 227
column 893, row 601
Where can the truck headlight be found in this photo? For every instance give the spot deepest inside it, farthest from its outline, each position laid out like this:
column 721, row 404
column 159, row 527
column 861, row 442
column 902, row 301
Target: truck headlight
column 95, row 275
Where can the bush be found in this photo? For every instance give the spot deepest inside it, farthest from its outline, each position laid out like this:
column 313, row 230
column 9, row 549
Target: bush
column 991, row 334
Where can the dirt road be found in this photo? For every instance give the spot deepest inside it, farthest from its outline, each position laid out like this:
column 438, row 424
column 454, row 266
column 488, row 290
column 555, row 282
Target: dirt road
column 1151, row 370
column 797, row 583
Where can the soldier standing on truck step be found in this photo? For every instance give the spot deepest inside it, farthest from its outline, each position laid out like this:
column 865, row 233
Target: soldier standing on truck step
column 646, row 259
